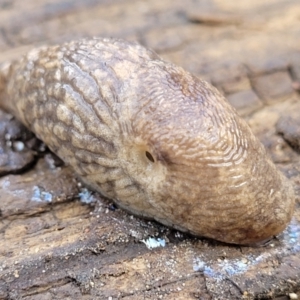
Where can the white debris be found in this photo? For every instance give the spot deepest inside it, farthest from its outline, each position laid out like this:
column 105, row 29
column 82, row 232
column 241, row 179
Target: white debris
column 86, row 196
column 18, row 146
column 39, row 195
column 293, row 296
column 154, row 243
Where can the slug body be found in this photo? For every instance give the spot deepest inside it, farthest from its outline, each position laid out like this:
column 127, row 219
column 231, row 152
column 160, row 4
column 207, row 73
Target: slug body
column 160, row 142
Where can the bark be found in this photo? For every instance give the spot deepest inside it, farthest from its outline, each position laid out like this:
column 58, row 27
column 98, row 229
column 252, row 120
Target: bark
column 58, row 240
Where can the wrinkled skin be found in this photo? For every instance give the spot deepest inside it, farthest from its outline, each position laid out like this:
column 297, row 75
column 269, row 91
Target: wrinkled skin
column 160, row 142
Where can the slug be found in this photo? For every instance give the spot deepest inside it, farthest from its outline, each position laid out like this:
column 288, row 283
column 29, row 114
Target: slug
column 158, row 141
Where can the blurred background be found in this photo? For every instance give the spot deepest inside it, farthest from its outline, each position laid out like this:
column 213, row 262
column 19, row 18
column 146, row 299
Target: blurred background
column 218, row 40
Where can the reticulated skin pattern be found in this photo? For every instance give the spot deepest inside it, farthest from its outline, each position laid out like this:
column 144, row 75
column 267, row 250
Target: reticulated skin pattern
column 160, row 142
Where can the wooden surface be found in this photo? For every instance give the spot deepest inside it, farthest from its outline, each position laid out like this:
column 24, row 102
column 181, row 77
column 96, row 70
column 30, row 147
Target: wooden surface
column 58, row 241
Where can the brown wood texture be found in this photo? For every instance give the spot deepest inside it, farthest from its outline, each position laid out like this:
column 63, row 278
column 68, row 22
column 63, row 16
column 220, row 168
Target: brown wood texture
column 58, row 241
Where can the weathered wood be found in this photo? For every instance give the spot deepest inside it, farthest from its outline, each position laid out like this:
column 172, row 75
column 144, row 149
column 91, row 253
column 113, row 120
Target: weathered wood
column 58, row 241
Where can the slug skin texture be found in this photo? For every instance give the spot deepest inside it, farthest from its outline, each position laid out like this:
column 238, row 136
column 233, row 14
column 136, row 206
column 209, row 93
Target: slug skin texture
column 158, row 141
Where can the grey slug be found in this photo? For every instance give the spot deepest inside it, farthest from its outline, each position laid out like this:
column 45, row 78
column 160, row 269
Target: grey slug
column 160, row 142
